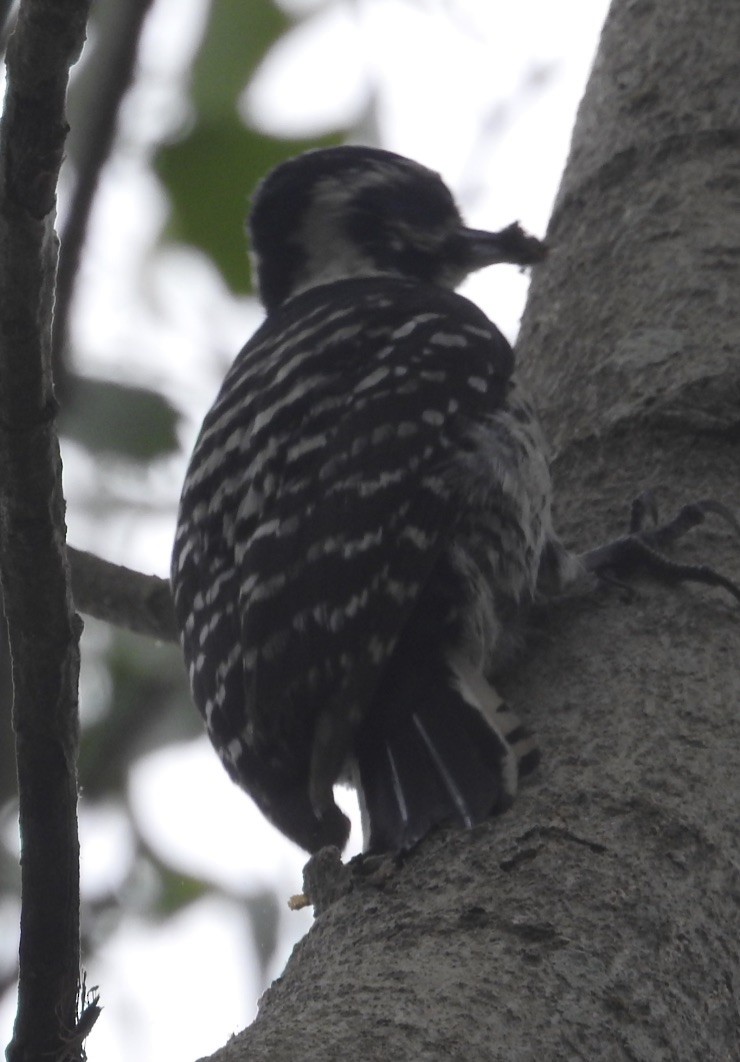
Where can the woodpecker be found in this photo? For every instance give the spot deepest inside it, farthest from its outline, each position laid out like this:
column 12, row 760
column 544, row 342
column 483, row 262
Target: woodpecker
column 365, row 513
column 365, row 519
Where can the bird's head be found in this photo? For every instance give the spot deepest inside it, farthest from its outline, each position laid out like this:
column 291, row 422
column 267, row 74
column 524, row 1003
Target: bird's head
column 348, row 212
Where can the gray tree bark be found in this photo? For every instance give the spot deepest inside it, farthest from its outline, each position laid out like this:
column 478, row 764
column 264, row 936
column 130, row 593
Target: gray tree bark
column 600, row 917
column 43, row 630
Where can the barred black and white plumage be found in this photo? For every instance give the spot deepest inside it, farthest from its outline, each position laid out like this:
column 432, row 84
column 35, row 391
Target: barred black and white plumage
column 366, row 514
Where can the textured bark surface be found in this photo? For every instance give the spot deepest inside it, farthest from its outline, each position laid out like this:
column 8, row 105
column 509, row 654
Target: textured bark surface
column 599, row 918
column 43, row 630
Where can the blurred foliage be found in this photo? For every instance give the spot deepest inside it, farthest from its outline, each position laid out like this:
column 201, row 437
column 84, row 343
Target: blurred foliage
column 262, row 911
column 176, row 891
column 209, row 172
column 147, row 706
column 144, row 702
column 237, row 39
column 119, row 419
column 208, row 176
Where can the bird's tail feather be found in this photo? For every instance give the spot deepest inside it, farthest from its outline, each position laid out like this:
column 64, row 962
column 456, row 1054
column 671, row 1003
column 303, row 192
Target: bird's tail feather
column 439, row 745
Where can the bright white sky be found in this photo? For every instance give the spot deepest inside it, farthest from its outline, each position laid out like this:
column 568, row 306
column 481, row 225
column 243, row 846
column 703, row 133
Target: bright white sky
column 485, row 91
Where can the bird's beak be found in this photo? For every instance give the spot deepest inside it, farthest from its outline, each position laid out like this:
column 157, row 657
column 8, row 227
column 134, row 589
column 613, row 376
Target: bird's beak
column 512, row 244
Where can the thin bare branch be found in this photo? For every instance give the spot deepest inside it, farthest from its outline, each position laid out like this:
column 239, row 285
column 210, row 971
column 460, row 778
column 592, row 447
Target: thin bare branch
column 119, row 595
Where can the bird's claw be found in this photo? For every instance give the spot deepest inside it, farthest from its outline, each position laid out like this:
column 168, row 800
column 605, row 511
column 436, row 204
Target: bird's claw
column 642, row 548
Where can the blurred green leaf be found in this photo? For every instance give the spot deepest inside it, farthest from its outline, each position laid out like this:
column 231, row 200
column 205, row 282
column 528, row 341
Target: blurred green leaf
column 238, row 36
column 150, row 706
column 209, row 177
column 120, row 419
column 176, row 890
column 210, row 173
column 263, row 913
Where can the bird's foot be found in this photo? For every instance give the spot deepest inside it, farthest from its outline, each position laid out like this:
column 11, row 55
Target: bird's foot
column 643, row 548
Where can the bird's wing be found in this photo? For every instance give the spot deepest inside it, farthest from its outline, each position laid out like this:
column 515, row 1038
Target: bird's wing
column 322, row 499
column 356, row 505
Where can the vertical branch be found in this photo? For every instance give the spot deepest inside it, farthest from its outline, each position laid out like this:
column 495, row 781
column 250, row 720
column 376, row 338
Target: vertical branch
column 43, row 629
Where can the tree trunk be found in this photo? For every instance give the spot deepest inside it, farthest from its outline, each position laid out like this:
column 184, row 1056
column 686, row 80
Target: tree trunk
column 43, row 630
column 599, row 918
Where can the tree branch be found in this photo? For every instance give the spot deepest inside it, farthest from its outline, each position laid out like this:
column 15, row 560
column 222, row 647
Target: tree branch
column 119, row 595
column 42, row 626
